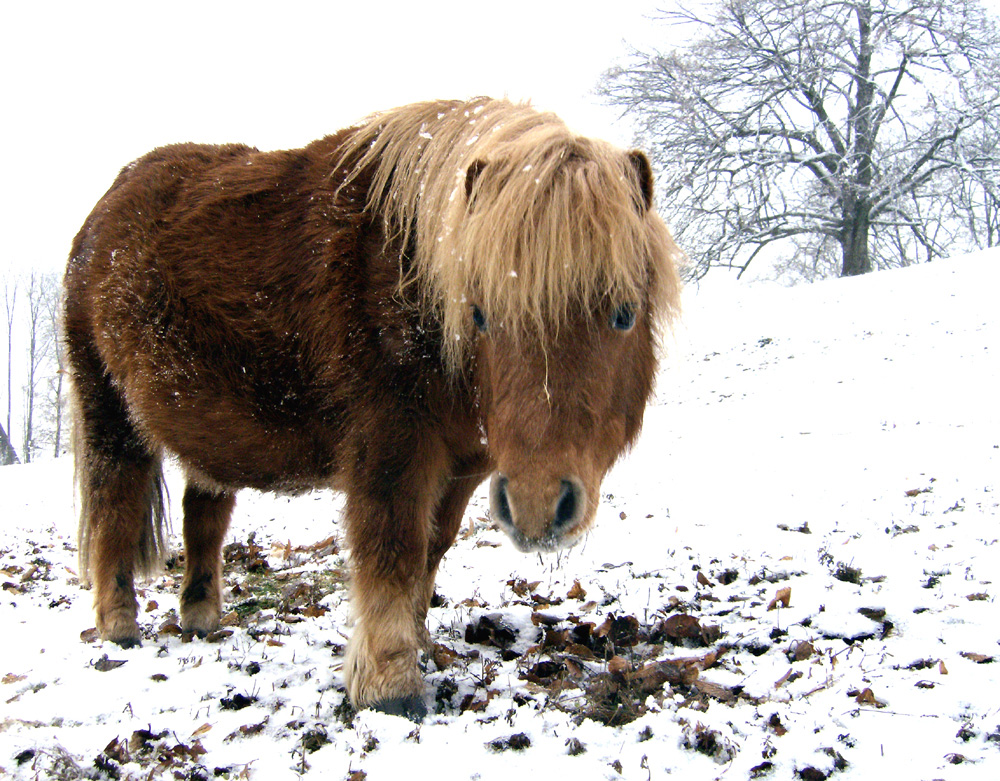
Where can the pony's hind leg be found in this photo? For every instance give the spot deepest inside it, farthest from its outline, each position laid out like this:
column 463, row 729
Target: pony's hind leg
column 121, row 509
column 206, row 520
column 122, row 534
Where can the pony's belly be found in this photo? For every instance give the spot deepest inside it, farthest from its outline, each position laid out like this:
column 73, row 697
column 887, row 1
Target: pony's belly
column 231, row 451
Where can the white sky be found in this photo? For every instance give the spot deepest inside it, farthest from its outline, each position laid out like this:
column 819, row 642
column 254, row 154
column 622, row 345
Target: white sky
column 86, row 87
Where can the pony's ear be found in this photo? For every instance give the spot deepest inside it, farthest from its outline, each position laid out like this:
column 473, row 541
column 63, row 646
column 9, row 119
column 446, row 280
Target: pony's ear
column 471, row 175
column 643, row 172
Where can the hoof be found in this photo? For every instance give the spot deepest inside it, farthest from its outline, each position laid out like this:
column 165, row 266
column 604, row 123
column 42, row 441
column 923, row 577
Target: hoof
column 411, row 707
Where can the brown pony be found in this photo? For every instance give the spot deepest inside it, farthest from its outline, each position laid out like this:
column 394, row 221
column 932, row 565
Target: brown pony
column 448, row 290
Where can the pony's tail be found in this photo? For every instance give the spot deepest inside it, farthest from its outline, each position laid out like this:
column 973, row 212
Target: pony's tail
column 151, row 552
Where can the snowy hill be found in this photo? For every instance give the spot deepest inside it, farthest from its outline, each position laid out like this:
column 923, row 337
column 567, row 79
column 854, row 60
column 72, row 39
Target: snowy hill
column 794, row 575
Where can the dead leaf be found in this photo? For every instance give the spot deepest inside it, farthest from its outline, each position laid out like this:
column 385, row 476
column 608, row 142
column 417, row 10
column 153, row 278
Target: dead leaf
column 782, row 597
column 867, row 697
column 443, row 656
column 90, row 635
column 942, row 670
column 702, row 580
column 803, row 650
column 543, row 619
column 201, row 730
column 576, row 592
column 682, row 627
column 13, row 678
column 617, row 664
column 714, row 690
column 580, row 652
column 232, row 618
column 775, row 723
column 104, row 664
column 152, row 605
column 977, row 658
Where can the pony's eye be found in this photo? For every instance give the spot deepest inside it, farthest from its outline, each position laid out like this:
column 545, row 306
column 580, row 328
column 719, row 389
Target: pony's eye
column 479, row 318
column 623, row 318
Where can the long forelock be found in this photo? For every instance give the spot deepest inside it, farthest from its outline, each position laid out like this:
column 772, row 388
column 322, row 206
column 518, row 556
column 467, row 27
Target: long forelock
column 555, row 222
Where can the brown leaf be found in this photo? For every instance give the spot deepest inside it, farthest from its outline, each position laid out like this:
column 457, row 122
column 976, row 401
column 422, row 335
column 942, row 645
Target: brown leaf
column 444, row 656
column 576, row 592
column 651, row 677
column 152, row 605
column 867, row 697
column 315, row 611
column 13, row 678
column 90, row 635
column 783, row 597
column 977, row 658
column 980, row 597
column 942, row 670
column 617, row 664
column 702, row 580
column 803, row 650
column 682, row 627
column 775, row 724
column 580, row 652
column 104, row 664
column 714, row 690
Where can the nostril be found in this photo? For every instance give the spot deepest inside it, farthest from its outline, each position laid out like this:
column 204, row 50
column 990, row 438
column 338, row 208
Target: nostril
column 566, row 509
column 501, row 502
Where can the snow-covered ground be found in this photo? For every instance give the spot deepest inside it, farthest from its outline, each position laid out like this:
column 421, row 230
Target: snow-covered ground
column 809, row 522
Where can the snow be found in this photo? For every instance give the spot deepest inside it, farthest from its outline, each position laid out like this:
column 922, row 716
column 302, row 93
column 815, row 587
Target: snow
column 844, row 429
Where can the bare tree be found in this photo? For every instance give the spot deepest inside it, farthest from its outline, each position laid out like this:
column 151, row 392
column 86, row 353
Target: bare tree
column 794, row 126
column 7, row 453
column 36, row 355
column 10, row 305
column 43, row 402
column 56, row 395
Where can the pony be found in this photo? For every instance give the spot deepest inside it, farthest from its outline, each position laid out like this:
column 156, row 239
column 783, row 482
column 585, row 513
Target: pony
column 444, row 292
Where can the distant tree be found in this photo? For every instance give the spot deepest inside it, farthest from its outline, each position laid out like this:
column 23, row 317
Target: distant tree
column 43, row 397
column 865, row 127
column 8, row 455
column 56, row 399
column 38, row 350
column 10, row 305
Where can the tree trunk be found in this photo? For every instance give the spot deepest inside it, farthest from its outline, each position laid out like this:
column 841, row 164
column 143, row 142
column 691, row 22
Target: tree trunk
column 854, row 241
column 7, row 453
column 59, row 385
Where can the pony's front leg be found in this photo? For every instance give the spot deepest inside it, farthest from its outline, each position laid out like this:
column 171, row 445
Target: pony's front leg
column 467, row 474
column 388, row 527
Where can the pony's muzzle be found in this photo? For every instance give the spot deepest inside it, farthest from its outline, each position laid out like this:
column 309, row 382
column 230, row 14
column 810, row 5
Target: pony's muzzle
column 536, row 515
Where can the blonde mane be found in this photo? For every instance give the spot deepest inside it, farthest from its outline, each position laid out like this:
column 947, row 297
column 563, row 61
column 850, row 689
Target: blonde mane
column 545, row 222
